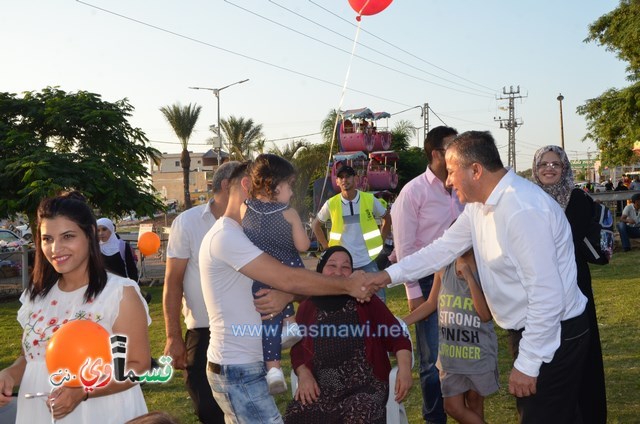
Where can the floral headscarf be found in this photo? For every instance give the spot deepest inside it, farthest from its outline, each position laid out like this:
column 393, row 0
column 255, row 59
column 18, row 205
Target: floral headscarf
column 561, row 191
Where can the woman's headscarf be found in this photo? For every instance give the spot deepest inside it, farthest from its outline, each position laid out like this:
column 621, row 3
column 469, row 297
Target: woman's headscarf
column 335, row 302
column 561, row 191
column 112, row 245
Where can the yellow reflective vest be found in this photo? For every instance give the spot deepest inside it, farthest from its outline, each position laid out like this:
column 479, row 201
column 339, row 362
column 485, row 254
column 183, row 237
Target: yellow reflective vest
column 370, row 230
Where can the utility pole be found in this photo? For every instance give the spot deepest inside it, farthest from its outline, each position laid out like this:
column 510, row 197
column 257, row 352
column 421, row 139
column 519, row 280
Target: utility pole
column 560, row 99
column 511, row 123
column 425, row 116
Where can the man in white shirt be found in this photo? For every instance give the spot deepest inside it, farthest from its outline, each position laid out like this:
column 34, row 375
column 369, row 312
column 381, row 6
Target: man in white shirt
column 525, row 255
column 629, row 224
column 228, row 264
column 182, row 290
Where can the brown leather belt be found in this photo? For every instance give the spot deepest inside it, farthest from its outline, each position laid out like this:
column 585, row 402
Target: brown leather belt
column 214, row 368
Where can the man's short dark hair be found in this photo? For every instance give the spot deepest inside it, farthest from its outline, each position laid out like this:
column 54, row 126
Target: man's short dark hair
column 223, row 173
column 435, row 139
column 240, row 172
column 477, row 147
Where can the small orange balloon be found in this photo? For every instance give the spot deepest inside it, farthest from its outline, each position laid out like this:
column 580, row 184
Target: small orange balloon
column 149, row 243
column 75, row 342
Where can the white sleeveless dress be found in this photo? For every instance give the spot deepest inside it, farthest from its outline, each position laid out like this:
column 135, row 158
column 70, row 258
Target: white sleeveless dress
column 40, row 319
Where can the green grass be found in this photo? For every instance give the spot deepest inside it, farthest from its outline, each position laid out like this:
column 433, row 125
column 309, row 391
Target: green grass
column 616, row 288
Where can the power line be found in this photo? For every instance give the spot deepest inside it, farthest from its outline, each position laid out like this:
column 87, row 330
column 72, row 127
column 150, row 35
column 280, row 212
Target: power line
column 361, row 44
column 264, row 62
column 354, row 55
column 402, row 50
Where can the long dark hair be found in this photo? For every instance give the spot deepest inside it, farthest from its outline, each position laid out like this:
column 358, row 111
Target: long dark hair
column 73, row 206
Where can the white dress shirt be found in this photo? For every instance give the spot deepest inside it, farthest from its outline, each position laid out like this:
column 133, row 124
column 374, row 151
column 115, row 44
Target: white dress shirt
column 526, row 261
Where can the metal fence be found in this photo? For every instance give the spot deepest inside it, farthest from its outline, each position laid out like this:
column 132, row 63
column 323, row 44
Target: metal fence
column 14, row 270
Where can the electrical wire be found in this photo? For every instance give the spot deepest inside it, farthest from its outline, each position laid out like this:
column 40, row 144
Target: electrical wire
column 491, row 94
column 245, row 56
column 373, row 62
column 401, row 49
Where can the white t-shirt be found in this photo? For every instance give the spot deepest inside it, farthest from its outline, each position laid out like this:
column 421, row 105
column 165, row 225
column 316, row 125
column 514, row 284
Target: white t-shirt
column 352, row 238
column 630, row 212
column 187, row 232
column 233, row 320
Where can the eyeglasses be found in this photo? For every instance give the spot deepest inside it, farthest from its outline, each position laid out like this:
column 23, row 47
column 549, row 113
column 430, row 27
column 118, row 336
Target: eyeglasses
column 552, row 165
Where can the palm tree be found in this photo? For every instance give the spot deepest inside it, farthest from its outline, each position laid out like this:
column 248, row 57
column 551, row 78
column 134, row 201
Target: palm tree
column 183, row 119
column 328, row 128
column 241, row 135
column 400, row 135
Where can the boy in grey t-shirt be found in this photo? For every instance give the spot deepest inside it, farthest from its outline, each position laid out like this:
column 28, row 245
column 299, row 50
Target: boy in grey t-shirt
column 467, row 354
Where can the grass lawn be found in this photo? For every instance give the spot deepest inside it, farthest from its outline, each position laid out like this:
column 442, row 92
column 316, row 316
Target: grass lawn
column 617, row 290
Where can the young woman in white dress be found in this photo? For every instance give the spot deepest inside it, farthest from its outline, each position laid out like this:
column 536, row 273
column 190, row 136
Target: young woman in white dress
column 69, row 282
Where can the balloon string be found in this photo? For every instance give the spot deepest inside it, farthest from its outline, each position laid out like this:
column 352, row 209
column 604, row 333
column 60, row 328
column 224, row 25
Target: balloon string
column 364, row 6
column 338, row 110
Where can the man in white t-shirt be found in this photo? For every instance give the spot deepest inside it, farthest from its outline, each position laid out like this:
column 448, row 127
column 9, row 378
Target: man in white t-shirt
column 228, row 264
column 629, row 224
column 183, row 290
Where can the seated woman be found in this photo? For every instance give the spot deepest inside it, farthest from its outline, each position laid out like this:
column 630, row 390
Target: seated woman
column 343, row 372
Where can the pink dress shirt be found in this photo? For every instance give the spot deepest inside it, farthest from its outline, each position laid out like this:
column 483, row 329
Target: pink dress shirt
column 422, row 212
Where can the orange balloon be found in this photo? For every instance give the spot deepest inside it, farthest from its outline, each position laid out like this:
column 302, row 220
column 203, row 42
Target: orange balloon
column 75, row 342
column 149, row 243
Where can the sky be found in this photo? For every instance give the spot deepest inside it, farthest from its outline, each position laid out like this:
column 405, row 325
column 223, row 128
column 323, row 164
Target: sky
column 298, row 55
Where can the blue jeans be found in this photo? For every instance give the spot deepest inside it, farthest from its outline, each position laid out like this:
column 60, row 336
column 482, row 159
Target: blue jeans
column 427, row 341
column 373, row 267
column 242, row 393
column 627, row 232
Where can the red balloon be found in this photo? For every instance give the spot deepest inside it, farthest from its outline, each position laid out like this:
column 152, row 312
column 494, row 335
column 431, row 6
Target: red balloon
column 148, row 243
column 75, row 342
column 369, row 7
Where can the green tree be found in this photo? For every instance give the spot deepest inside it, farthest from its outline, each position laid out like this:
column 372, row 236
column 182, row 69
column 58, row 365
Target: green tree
column 328, row 128
column 183, row 119
column 242, row 135
column 412, row 162
column 613, row 119
column 53, row 141
column 310, row 162
column 401, row 135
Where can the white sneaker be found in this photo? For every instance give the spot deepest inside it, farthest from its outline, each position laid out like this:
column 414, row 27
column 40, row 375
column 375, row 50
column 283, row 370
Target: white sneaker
column 276, row 381
column 290, row 335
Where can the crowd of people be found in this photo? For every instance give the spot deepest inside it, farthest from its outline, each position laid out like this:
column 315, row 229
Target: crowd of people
column 473, row 241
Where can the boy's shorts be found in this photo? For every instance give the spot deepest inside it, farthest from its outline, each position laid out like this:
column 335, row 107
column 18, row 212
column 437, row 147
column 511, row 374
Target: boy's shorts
column 454, row 384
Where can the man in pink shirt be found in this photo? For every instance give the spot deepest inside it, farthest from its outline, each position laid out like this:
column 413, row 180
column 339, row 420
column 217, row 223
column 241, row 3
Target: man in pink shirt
column 424, row 209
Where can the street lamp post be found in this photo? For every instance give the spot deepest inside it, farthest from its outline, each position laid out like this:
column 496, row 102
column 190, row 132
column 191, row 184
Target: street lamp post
column 216, row 92
column 560, row 99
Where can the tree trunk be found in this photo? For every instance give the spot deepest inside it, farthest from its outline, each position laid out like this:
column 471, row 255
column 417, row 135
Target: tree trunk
column 185, row 161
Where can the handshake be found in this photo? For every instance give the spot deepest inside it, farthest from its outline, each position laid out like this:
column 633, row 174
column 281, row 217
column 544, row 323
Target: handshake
column 364, row 284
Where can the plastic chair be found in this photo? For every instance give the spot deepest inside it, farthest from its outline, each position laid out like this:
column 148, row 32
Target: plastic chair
column 396, row 413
